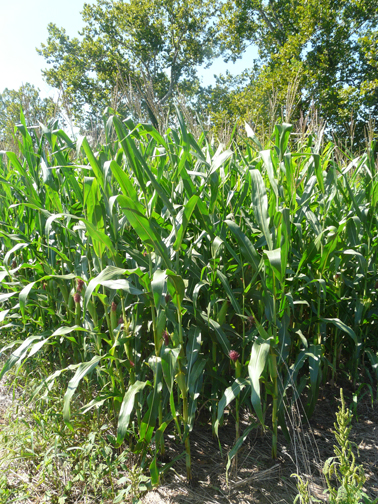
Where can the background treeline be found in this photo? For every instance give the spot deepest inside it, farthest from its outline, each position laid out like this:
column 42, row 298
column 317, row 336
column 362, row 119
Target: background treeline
column 317, row 62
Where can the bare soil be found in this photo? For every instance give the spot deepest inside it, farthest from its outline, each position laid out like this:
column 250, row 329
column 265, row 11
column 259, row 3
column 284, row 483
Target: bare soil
column 257, row 478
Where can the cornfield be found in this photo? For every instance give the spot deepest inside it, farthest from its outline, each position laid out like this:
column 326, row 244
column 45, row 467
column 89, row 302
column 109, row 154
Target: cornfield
column 160, row 275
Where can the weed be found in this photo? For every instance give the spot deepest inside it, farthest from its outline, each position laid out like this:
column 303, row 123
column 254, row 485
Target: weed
column 345, row 479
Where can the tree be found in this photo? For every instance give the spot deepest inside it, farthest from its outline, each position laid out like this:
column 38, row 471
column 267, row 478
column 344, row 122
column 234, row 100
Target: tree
column 331, row 48
column 145, row 51
column 35, row 109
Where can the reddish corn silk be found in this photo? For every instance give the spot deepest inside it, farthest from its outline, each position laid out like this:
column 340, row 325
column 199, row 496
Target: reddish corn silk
column 166, row 338
column 168, row 297
column 77, row 297
column 80, row 285
column 120, row 320
column 251, row 321
column 234, row 355
column 114, row 306
column 131, row 363
column 14, row 264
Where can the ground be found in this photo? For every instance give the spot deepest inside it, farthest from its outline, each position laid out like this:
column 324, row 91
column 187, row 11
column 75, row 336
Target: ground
column 257, row 478
column 261, row 480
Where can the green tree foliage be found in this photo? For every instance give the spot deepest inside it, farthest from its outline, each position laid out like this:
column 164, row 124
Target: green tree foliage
column 35, row 109
column 148, row 50
column 322, row 53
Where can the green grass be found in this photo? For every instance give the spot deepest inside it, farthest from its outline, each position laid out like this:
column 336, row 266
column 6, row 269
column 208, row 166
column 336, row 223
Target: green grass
column 134, row 269
column 42, row 461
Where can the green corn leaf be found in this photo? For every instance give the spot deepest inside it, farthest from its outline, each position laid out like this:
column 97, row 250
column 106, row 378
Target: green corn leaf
column 91, row 195
column 343, row 327
column 48, row 176
column 257, row 362
column 124, row 181
column 169, row 358
column 23, row 296
column 251, row 134
column 83, row 369
column 219, row 159
column 96, row 403
column 109, row 274
column 181, row 382
column 18, row 355
column 267, row 160
column 8, row 295
column 93, row 162
column 121, row 284
column 221, row 337
column 234, row 450
column 3, row 315
column 174, row 412
column 373, row 360
column 196, row 292
column 3, row 274
column 18, row 246
column 274, row 257
column 290, row 185
column 148, row 130
column 62, row 331
column 100, row 240
column 176, row 287
column 157, row 286
column 195, row 387
column 188, row 210
column 147, row 425
column 127, row 407
column 193, row 348
column 49, row 223
column 229, row 395
column 193, row 376
column 359, row 256
column 285, row 241
column 246, row 247
column 122, row 135
column 154, row 472
column 229, row 292
column 319, row 172
column 314, row 354
column 184, row 132
column 282, row 133
column 215, row 246
column 260, row 205
column 143, row 228
column 137, row 159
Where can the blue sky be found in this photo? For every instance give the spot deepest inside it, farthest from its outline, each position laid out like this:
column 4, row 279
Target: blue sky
column 24, row 27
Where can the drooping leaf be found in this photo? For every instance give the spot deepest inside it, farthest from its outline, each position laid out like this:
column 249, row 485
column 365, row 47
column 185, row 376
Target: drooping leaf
column 83, row 369
column 127, row 407
column 143, row 228
column 259, row 355
column 229, row 395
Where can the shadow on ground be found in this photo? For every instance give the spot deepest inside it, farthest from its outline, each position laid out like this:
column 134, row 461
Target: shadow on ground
column 257, row 478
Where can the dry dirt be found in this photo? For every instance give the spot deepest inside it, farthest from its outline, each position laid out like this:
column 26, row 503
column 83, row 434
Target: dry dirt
column 260, row 480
